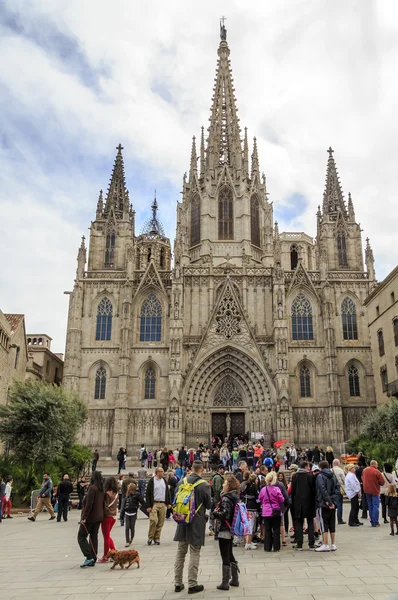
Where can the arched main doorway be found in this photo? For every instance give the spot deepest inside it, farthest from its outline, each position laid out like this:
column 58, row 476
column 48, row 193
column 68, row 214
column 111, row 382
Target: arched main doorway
column 228, row 414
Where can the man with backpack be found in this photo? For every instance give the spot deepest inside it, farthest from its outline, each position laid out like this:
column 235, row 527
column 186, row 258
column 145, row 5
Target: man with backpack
column 216, row 483
column 327, row 491
column 193, row 498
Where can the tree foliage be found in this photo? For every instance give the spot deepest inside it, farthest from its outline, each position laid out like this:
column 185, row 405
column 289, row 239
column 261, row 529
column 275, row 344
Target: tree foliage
column 379, row 434
column 40, row 421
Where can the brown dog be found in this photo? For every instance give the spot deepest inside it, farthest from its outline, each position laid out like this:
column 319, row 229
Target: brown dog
column 123, row 557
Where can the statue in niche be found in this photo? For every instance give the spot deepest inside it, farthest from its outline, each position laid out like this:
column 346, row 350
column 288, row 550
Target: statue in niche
column 228, row 422
column 280, row 310
column 176, row 311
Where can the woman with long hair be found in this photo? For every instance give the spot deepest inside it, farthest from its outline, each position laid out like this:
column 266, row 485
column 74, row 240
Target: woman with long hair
column 272, row 502
column 329, row 456
column 224, row 514
column 282, row 481
column 111, row 490
column 90, row 520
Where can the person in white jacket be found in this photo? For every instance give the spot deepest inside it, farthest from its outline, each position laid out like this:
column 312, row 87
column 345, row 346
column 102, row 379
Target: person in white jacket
column 7, row 505
column 353, row 492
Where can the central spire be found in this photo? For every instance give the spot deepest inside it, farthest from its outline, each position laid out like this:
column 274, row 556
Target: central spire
column 117, row 195
column 223, row 142
column 333, row 199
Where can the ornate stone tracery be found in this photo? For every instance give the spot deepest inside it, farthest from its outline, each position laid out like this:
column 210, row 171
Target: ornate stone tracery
column 228, row 394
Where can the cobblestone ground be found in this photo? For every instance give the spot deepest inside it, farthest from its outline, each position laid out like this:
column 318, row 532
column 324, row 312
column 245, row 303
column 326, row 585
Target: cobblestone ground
column 41, row 560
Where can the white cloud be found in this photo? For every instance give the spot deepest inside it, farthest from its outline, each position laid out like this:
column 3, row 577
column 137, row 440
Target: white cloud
column 78, row 77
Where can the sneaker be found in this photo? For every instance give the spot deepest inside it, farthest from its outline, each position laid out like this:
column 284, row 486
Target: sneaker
column 250, row 547
column 31, row 519
column 157, row 543
column 318, row 544
column 51, row 518
column 195, row 589
column 333, row 547
column 342, row 522
column 322, row 548
column 149, row 542
column 127, row 544
column 89, row 562
column 9, row 517
column 311, row 547
column 298, row 548
column 179, row 588
column 103, row 560
column 211, row 532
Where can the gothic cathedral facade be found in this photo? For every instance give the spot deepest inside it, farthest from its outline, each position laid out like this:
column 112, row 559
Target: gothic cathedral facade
column 247, row 330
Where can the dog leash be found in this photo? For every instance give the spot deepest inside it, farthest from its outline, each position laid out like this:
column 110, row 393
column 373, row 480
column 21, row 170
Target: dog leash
column 91, row 543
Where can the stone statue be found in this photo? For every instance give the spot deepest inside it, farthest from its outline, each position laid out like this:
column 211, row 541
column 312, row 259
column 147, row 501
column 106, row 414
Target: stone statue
column 280, row 310
column 228, row 422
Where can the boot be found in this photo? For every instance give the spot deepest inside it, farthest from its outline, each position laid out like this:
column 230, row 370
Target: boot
column 235, row 577
column 226, row 573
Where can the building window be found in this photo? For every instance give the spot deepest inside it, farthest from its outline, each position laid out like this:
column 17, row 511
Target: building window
column 161, row 259
column 305, row 382
column 150, row 384
column 342, row 249
column 255, row 220
column 100, row 384
column 395, row 325
column 302, row 319
column 353, row 380
column 380, row 341
column 377, row 311
column 225, row 214
column 17, row 351
column 392, row 297
column 151, row 320
column 104, row 320
column 293, row 257
column 195, row 220
column 110, row 249
column 47, row 367
column 384, row 378
column 349, row 319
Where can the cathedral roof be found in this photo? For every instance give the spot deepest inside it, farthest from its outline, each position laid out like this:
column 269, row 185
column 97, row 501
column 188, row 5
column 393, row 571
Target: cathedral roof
column 14, row 320
column 153, row 226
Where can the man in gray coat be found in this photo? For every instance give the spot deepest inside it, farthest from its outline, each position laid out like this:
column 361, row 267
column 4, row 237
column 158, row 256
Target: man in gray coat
column 192, row 535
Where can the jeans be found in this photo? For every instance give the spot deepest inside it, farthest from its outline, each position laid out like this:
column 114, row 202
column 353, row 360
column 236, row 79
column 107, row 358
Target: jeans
column 299, row 534
column 130, row 521
column 339, row 508
column 63, row 505
column 272, row 535
column 90, row 550
column 373, row 506
column 106, row 527
column 353, row 518
column 141, row 486
column 226, row 551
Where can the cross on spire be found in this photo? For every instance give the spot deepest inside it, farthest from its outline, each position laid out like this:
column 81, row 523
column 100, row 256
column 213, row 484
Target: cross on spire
column 119, row 148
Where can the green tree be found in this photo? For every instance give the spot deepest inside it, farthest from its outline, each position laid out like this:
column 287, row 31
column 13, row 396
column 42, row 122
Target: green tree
column 379, row 434
column 40, row 421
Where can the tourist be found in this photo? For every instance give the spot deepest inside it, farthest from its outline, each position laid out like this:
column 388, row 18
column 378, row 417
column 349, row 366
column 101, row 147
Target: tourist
column 192, row 535
column 144, row 457
column 392, row 505
column 124, row 483
column 303, row 505
column 329, row 456
column 142, row 475
column 111, row 490
column 65, row 488
column 95, row 460
column 224, row 515
column 358, row 473
column 6, row 502
column 205, row 459
column 120, row 459
column 373, row 480
column 249, row 496
column 164, row 459
column 242, row 467
column 150, row 460
column 353, row 492
column 91, row 516
column 81, row 488
column 389, row 479
column 157, row 497
column 2, row 495
column 182, row 457
column 224, row 455
column 235, row 454
column 339, row 473
column 216, row 483
column 172, row 460
column 316, row 455
column 325, row 502
column 129, row 511
column 281, row 478
column 44, row 498
column 172, row 482
column 272, row 502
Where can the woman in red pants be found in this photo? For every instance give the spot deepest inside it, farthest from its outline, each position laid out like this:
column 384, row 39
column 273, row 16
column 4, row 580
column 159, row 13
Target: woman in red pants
column 110, row 512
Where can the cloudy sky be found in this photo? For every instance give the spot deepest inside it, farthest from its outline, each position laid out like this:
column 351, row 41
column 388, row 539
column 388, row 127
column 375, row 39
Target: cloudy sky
column 78, row 77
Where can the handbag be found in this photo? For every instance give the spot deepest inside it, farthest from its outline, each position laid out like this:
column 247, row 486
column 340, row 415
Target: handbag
column 276, row 512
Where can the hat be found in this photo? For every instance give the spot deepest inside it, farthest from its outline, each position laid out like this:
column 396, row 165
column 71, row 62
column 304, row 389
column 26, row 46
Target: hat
column 220, row 466
column 315, row 468
column 293, row 467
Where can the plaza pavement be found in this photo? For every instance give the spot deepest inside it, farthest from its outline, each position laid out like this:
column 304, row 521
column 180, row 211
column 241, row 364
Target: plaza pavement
column 41, row 560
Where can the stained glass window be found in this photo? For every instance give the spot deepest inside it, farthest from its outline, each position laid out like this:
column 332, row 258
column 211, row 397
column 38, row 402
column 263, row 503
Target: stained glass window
column 255, row 220
column 302, row 319
column 349, row 319
column 110, row 249
column 305, row 382
column 150, row 384
column 342, row 249
column 151, row 320
column 100, row 384
column 225, row 214
column 104, row 320
column 195, row 220
column 353, row 380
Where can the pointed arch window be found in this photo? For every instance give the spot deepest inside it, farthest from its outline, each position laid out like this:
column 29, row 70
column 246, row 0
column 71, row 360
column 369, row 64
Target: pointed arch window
column 104, row 320
column 380, row 341
column 150, row 384
column 342, row 249
column 395, row 326
column 110, row 249
column 195, row 220
column 225, row 214
column 349, row 319
column 255, row 220
column 305, row 382
column 353, row 381
column 302, row 328
column 151, row 320
column 161, row 258
column 100, row 384
column 293, row 256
